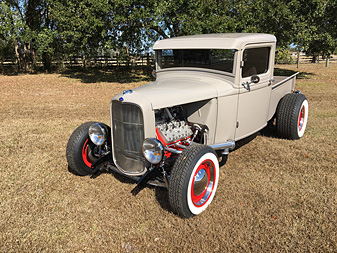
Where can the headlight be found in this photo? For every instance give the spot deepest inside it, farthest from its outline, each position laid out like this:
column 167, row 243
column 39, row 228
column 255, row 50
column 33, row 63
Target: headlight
column 153, row 150
column 97, row 134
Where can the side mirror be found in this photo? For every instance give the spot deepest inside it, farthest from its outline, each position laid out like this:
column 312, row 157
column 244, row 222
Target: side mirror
column 255, row 79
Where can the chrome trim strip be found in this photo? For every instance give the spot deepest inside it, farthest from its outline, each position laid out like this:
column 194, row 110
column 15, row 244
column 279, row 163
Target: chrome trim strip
column 120, row 169
column 181, row 145
column 230, row 145
column 227, row 145
column 283, row 81
column 172, row 150
column 204, row 70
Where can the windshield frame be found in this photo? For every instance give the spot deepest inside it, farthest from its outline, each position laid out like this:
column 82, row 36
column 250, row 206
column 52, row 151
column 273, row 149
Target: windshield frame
column 203, row 69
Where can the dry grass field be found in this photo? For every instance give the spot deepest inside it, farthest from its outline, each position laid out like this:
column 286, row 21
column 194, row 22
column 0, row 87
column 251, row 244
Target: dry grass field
column 273, row 194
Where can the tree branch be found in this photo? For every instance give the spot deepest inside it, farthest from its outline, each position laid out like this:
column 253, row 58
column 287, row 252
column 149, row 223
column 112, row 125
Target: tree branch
column 20, row 12
column 159, row 31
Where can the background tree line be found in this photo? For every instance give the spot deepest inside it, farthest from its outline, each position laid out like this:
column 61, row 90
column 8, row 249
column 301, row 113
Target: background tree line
column 54, row 30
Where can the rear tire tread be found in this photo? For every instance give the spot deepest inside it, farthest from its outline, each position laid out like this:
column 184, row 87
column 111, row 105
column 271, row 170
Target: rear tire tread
column 287, row 115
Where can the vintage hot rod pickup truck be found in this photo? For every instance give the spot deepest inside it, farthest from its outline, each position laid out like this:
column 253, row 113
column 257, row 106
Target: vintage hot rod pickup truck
column 211, row 91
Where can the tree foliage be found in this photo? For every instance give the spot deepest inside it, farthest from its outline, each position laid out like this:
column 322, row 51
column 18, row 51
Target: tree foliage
column 52, row 30
column 318, row 27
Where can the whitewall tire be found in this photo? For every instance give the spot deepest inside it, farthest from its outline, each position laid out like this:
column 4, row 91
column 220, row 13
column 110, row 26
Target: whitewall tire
column 194, row 180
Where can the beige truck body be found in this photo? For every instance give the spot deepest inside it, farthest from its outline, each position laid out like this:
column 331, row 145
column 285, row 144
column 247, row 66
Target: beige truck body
column 220, row 100
column 176, row 132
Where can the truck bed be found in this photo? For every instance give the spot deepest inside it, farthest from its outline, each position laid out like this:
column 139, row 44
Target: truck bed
column 280, row 80
column 280, row 86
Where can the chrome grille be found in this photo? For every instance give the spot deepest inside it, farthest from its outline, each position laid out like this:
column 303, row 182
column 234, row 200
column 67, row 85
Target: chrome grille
column 128, row 136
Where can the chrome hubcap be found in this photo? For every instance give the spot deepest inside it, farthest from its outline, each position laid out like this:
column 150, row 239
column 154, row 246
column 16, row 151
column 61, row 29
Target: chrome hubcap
column 203, row 182
column 301, row 118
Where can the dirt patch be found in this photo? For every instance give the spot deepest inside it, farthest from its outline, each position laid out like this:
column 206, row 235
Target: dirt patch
column 273, row 194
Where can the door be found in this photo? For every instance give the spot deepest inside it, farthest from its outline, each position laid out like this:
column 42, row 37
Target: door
column 255, row 90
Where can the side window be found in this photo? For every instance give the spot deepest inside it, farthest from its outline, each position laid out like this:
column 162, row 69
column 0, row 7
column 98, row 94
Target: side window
column 256, row 61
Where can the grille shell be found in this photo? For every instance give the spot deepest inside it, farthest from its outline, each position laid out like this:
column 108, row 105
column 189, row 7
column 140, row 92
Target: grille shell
column 128, row 135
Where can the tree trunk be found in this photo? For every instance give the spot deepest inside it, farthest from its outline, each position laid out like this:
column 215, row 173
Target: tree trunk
column 127, row 50
column 33, row 22
column 148, row 59
column 298, row 59
column 127, row 56
column 25, row 57
column 26, row 62
column 314, row 58
column 33, row 53
column 46, row 62
column 2, row 66
column 61, row 64
column 17, row 54
column 84, row 62
column 327, row 61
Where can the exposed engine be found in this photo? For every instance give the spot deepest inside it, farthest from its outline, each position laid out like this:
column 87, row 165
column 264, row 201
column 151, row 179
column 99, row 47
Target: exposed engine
column 174, row 131
column 171, row 125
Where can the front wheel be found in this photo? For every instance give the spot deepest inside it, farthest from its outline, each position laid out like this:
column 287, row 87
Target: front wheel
column 194, row 180
column 81, row 152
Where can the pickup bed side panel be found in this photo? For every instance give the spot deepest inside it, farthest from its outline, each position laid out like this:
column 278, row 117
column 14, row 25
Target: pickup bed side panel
column 280, row 87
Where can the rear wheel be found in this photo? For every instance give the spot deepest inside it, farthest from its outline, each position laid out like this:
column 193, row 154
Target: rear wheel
column 81, row 152
column 292, row 116
column 194, row 180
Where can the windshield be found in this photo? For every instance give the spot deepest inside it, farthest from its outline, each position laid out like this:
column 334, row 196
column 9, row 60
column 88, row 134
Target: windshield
column 218, row 59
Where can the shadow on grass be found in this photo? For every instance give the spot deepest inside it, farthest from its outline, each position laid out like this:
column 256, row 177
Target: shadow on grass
column 289, row 72
column 118, row 176
column 9, row 73
column 127, row 74
column 160, row 192
column 241, row 143
column 111, row 75
column 97, row 74
column 121, row 178
column 162, row 197
column 270, row 130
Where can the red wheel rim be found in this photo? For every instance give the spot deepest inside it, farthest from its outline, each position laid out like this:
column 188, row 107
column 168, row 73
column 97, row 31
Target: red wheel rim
column 301, row 118
column 85, row 154
column 203, row 183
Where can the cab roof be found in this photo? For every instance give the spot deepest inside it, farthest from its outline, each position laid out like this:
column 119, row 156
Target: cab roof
column 214, row 41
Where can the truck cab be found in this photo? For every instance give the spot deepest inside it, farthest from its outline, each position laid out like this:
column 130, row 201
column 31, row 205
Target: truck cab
column 210, row 91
